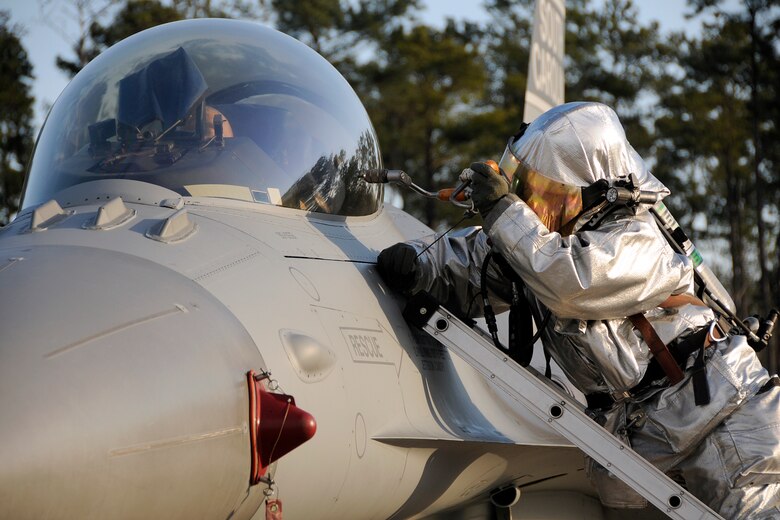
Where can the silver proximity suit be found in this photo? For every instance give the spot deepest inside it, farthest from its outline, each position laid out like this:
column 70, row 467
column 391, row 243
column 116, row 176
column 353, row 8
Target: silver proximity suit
column 728, row 451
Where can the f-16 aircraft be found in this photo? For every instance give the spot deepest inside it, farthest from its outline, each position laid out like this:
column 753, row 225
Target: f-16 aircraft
column 191, row 322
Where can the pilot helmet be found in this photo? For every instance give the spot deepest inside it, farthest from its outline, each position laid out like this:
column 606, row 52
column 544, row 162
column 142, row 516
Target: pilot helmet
column 552, row 161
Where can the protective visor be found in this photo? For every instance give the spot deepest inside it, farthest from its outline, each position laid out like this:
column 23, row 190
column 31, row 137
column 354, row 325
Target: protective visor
column 556, row 204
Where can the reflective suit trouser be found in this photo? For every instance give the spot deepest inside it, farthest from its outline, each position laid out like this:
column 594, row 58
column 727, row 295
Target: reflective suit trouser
column 728, row 452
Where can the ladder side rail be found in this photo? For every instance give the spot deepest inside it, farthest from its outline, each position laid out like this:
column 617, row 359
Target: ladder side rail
column 567, row 417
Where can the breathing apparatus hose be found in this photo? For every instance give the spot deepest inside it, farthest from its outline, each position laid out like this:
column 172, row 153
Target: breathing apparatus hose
column 490, row 315
column 487, row 309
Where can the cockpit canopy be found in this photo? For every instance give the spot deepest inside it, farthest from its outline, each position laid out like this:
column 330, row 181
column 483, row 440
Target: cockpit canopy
column 212, row 108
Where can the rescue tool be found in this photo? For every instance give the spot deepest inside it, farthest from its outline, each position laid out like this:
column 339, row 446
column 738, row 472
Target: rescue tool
column 456, row 195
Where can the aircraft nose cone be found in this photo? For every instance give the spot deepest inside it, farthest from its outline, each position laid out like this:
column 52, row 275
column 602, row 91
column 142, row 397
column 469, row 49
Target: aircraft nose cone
column 122, row 390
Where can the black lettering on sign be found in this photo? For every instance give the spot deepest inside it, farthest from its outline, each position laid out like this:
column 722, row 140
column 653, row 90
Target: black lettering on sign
column 546, row 77
column 432, row 356
column 368, row 346
column 365, row 346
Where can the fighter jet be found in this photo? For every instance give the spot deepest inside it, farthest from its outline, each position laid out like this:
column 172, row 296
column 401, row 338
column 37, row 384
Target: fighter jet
column 191, row 321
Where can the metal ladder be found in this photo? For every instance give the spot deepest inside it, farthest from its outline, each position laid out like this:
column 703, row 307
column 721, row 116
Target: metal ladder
column 563, row 414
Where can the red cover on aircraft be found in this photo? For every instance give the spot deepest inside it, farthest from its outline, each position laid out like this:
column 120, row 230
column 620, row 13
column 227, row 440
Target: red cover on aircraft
column 277, row 425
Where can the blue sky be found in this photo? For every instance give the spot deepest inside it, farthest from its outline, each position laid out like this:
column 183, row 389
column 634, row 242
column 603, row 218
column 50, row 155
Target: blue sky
column 45, row 38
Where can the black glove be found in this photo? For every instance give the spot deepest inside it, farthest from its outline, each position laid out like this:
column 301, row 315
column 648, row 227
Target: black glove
column 488, row 186
column 397, row 265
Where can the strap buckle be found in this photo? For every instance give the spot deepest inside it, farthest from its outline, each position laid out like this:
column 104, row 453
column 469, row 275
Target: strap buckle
column 711, row 333
column 619, row 396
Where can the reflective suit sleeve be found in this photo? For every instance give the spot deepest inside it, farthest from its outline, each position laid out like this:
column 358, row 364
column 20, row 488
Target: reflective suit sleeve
column 622, row 267
column 450, row 271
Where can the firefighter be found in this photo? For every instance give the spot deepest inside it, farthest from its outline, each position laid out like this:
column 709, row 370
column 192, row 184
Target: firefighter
column 625, row 324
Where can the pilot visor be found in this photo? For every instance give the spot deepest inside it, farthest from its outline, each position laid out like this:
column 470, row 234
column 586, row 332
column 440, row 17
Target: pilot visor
column 555, row 203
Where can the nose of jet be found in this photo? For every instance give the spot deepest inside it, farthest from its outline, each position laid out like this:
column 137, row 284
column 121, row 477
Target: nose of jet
column 122, row 390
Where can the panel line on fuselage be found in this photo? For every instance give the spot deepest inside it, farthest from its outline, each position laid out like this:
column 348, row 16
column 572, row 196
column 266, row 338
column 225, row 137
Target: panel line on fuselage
column 113, row 330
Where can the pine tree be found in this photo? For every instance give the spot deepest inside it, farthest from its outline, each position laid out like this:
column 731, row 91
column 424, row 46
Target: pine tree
column 16, row 134
column 423, row 77
column 132, row 17
column 718, row 119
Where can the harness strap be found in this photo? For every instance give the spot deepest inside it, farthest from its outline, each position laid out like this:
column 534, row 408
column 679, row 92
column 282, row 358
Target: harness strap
column 521, row 332
column 658, row 348
column 680, row 349
column 769, row 385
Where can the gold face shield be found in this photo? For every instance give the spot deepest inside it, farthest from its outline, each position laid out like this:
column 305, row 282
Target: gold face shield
column 555, row 203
